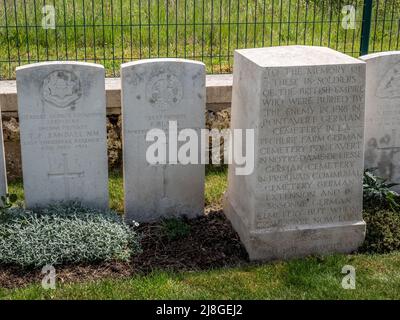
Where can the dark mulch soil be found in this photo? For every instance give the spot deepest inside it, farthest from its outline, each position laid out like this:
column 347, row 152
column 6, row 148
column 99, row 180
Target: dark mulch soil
column 210, row 243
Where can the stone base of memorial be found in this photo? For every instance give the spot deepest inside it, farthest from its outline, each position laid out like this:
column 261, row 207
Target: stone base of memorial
column 295, row 242
column 304, row 197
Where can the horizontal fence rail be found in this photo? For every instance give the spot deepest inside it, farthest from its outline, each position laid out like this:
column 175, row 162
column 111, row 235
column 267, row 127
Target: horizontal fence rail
column 112, row 32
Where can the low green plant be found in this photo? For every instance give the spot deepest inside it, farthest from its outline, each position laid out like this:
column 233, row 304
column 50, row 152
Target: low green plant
column 64, row 233
column 175, row 228
column 377, row 193
column 383, row 232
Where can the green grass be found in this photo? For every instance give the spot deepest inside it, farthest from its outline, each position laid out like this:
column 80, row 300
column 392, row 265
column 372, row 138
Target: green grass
column 214, row 188
column 377, row 277
column 216, row 183
column 124, row 30
column 116, row 190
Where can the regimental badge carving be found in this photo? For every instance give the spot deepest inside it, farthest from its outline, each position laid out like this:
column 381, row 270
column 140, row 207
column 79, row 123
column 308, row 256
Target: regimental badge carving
column 61, row 88
column 389, row 86
column 164, row 90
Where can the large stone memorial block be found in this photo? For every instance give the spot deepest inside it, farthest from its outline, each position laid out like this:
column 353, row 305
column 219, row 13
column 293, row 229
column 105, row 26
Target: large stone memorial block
column 62, row 114
column 156, row 93
column 306, row 105
column 382, row 115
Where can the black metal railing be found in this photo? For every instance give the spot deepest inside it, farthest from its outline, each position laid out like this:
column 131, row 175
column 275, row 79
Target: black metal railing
column 111, row 32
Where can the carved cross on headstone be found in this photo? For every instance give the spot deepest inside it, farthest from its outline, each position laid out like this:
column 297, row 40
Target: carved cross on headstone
column 66, row 175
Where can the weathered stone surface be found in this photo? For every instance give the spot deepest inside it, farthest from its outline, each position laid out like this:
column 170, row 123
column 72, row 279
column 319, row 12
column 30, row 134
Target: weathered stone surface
column 218, row 87
column 217, row 119
column 304, row 197
column 154, row 92
column 382, row 115
column 63, row 133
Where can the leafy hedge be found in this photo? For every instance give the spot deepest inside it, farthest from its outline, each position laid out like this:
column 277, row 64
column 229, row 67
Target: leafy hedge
column 377, row 193
column 381, row 214
column 64, row 233
column 383, row 232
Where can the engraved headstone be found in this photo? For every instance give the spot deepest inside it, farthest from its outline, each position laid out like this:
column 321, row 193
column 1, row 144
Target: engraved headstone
column 156, row 92
column 62, row 114
column 382, row 115
column 306, row 105
column 3, row 173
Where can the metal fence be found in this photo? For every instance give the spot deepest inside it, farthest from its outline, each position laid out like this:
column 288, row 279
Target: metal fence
column 111, row 32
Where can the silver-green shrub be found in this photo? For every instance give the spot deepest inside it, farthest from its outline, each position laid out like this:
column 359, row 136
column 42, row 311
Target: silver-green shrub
column 64, row 233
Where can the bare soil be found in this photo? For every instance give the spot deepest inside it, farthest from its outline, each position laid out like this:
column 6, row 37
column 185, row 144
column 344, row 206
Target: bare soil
column 210, row 243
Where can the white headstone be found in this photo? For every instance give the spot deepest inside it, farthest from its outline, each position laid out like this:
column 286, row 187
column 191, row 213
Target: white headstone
column 304, row 197
column 62, row 114
column 156, row 92
column 3, row 172
column 382, row 115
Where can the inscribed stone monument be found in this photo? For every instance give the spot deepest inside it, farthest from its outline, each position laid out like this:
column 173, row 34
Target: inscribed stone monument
column 62, row 115
column 306, row 105
column 382, row 115
column 156, row 92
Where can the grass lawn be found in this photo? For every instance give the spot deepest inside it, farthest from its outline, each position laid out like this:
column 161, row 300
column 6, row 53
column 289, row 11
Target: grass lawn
column 113, row 32
column 215, row 187
column 377, row 276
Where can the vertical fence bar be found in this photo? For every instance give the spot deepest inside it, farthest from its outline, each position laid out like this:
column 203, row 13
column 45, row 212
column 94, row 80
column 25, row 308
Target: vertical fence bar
column 263, row 24
column 185, row 30
column 94, row 33
column 297, row 20
column 36, row 31
column 104, row 32
column 65, row 30
column 194, row 30
column 229, row 34
column 158, row 27
column 220, row 36
column 338, row 24
column 383, row 24
column 8, row 39
column 330, row 23
column 288, row 23
column 121, row 13
column 280, row 22
column 366, row 27
column 176, row 28
column 75, row 35
column 167, row 26
column 211, row 36
column 112, row 36
column 140, row 29
column 149, row 27
column 391, row 25
column 56, row 30
column 84, row 31
column 27, row 33
column 17, row 32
